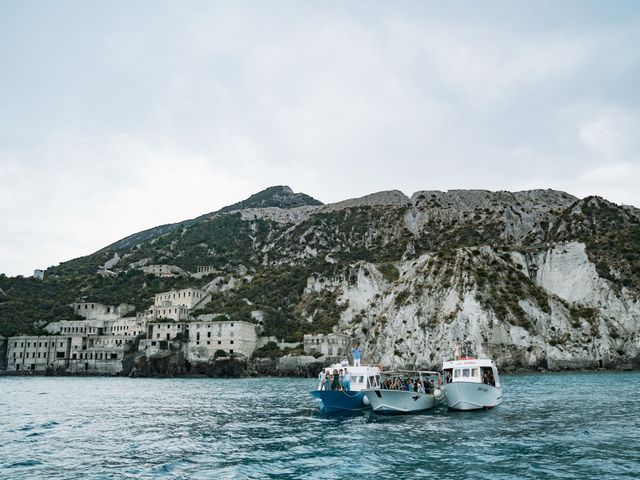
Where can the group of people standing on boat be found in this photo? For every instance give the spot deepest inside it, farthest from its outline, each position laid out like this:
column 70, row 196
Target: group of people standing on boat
column 338, row 380
column 408, row 384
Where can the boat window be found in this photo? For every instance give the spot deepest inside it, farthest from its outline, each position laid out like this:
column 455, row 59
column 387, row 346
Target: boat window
column 456, row 373
column 474, row 372
column 371, row 382
column 465, row 372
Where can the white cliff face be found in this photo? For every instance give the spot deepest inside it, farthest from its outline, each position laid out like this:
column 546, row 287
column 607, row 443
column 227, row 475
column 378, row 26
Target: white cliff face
column 565, row 270
column 416, row 320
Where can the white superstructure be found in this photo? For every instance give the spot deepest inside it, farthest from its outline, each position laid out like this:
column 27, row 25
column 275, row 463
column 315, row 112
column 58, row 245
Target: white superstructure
column 471, row 383
column 365, row 376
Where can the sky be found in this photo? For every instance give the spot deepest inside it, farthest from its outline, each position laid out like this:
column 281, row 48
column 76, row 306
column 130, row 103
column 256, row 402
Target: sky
column 119, row 116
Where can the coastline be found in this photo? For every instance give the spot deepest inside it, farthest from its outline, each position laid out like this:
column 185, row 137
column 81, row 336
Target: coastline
column 286, row 374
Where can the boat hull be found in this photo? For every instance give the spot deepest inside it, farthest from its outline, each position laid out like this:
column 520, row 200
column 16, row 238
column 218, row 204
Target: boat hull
column 471, row 396
column 339, row 401
column 399, row 401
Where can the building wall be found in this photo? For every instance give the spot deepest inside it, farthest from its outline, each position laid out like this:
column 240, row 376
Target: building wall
column 175, row 313
column 206, row 269
column 37, row 353
column 123, row 326
column 232, row 337
column 205, row 338
column 187, row 297
column 128, row 326
column 331, row 344
column 101, row 354
column 77, row 327
column 3, row 352
column 98, row 311
column 74, row 353
column 163, row 270
column 162, row 331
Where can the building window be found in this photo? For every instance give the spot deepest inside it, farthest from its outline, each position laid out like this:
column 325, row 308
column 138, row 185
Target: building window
column 219, row 342
column 231, row 342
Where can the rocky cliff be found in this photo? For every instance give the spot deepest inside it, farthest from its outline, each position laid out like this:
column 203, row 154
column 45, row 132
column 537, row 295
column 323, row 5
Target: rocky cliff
column 534, row 279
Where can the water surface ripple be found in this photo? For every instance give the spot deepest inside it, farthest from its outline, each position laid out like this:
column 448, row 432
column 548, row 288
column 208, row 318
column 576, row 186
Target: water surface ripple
column 578, row 425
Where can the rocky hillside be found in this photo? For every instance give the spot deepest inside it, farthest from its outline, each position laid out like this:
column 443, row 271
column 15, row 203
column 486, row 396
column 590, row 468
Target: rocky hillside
column 535, row 279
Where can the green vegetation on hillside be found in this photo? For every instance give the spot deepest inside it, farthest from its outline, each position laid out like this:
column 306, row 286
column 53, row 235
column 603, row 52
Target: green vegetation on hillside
column 271, row 261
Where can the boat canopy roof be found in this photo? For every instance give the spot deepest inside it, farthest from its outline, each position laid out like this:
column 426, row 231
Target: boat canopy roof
column 360, row 370
column 469, row 362
column 402, row 373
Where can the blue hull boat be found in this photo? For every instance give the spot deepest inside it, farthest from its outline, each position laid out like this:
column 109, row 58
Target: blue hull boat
column 352, row 400
column 338, row 401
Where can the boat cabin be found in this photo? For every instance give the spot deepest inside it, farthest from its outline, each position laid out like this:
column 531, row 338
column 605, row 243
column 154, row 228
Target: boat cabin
column 471, row 370
column 411, row 380
column 365, row 376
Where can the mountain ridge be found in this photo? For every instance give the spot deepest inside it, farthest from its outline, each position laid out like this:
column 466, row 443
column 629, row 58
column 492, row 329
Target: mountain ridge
column 534, row 279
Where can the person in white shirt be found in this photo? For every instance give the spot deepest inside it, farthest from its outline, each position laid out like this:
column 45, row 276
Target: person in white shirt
column 323, row 378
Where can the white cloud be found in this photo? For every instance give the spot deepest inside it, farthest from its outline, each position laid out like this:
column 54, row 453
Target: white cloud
column 122, row 119
column 612, row 134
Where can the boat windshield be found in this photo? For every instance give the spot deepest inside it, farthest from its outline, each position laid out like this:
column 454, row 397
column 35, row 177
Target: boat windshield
column 470, row 374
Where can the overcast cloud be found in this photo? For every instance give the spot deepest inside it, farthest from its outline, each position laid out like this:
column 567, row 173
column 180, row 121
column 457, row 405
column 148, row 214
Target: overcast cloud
column 119, row 116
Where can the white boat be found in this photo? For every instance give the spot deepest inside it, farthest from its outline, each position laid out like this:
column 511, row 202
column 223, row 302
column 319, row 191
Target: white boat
column 471, row 383
column 362, row 377
column 406, row 391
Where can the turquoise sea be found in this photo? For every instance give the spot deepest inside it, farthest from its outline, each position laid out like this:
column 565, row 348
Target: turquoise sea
column 577, row 425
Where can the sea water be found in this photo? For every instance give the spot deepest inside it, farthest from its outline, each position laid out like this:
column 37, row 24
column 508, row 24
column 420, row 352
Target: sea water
column 572, row 425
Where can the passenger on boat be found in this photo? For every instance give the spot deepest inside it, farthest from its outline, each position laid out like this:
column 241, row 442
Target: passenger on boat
column 356, row 355
column 487, row 377
column 327, row 380
column 341, row 379
column 346, row 381
column 335, row 385
column 322, row 377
